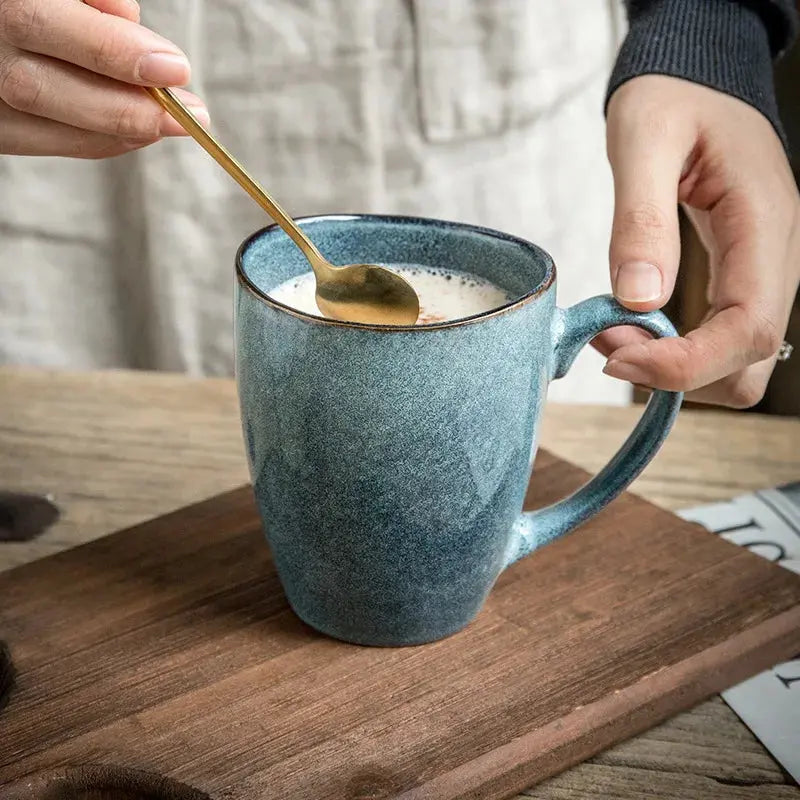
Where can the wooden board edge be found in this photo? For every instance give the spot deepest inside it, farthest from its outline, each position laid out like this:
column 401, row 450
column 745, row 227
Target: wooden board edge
column 217, row 505
column 509, row 769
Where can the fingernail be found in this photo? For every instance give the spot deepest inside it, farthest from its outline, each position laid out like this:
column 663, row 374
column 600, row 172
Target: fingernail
column 625, row 372
column 163, row 69
column 638, row 282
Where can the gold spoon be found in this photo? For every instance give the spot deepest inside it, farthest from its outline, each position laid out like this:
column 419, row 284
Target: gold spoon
column 357, row 292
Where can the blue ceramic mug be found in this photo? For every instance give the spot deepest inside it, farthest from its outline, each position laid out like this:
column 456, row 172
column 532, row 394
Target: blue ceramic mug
column 390, row 463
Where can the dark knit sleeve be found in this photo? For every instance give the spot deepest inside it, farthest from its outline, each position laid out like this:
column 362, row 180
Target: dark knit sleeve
column 728, row 45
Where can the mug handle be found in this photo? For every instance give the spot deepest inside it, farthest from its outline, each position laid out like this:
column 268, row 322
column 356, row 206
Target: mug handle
column 575, row 327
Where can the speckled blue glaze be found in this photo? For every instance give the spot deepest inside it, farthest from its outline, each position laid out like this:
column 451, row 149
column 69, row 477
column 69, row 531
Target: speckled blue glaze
column 390, row 464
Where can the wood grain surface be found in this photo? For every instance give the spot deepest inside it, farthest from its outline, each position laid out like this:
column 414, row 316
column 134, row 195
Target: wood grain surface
column 169, row 649
column 116, row 448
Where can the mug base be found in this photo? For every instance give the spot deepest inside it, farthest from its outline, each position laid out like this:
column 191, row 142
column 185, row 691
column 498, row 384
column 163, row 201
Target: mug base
column 381, row 639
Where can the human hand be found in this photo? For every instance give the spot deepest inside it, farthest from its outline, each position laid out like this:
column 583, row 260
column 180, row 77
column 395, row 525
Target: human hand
column 66, row 70
column 671, row 141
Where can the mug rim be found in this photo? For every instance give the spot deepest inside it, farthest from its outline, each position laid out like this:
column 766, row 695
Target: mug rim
column 547, row 281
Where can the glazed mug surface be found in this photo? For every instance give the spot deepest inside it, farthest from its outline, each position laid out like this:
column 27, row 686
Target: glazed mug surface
column 390, row 463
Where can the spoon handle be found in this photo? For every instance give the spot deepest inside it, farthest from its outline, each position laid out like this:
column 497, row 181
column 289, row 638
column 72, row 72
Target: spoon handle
column 170, row 102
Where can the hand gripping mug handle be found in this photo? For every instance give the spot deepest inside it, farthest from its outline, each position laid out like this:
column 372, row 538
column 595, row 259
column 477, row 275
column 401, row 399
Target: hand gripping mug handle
column 575, row 327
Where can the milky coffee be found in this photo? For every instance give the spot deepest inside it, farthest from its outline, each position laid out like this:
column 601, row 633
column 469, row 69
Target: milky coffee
column 443, row 294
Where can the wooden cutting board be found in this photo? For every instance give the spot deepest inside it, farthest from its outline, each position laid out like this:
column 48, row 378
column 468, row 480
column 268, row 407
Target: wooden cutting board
column 163, row 662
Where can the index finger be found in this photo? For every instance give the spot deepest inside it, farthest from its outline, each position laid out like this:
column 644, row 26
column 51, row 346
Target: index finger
column 79, row 34
column 730, row 341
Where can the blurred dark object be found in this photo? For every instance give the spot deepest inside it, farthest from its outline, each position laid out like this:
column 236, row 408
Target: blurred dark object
column 7, row 674
column 24, row 516
column 688, row 304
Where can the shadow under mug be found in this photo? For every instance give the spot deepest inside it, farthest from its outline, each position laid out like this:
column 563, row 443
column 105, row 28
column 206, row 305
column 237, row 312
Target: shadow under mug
column 390, row 463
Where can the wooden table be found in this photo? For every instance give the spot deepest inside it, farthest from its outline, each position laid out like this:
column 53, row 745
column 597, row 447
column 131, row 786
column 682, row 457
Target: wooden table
column 115, row 448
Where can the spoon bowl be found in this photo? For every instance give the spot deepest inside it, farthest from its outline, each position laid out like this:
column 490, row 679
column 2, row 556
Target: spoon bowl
column 365, row 293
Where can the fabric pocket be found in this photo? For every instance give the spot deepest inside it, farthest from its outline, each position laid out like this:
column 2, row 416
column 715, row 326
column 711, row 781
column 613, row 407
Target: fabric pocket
column 486, row 67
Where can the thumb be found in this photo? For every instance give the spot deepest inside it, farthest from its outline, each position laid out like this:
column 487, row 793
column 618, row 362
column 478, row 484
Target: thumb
column 645, row 238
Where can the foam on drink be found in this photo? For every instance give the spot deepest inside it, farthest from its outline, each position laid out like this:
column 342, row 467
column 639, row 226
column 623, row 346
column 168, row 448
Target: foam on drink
column 443, row 294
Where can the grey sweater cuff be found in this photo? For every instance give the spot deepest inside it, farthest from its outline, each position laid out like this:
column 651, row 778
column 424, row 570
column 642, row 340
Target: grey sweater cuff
column 723, row 44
